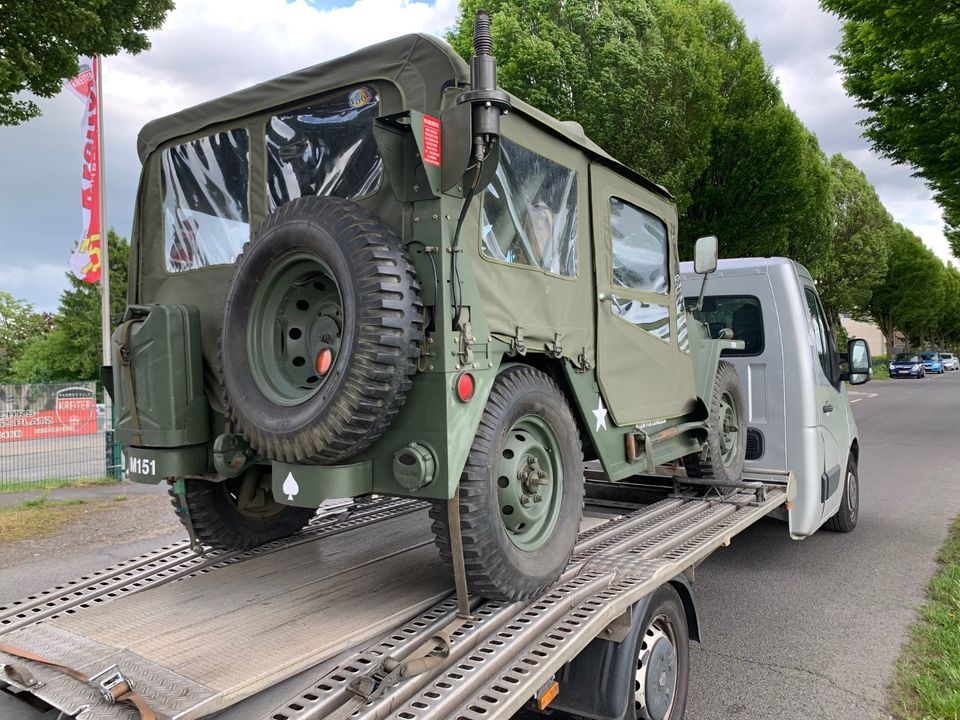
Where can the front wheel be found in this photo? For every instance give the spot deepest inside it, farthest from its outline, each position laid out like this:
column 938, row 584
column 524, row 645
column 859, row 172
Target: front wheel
column 521, row 491
column 846, row 517
column 663, row 659
column 725, row 451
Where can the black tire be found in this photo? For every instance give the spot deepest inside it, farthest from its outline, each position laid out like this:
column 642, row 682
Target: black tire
column 378, row 336
column 663, row 650
column 496, row 567
column 219, row 522
column 709, row 463
column 846, row 517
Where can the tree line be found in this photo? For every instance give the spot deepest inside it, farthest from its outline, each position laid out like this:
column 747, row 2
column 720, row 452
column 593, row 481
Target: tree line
column 677, row 90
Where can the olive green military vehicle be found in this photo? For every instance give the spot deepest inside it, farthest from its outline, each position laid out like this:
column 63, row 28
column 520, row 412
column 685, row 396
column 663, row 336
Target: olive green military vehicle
column 383, row 275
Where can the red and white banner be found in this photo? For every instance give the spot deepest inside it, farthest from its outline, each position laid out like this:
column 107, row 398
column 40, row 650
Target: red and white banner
column 74, row 412
column 85, row 259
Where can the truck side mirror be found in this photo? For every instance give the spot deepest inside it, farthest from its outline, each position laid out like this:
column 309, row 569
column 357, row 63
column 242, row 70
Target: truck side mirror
column 705, row 255
column 858, row 362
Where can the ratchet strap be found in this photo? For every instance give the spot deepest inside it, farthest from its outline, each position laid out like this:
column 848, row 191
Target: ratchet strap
column 113, row 686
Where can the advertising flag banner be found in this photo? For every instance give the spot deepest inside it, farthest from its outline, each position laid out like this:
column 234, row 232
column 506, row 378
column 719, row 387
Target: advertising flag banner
column 85, row 259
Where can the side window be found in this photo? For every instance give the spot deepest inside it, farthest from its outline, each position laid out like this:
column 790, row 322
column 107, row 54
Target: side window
column 740, row 313
column 530, row 212
column 640, row 248
column 205, row 215
column 325, row 148
column 820, row 331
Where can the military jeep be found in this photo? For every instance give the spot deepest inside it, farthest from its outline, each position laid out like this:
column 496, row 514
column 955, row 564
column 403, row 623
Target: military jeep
column 383, row 275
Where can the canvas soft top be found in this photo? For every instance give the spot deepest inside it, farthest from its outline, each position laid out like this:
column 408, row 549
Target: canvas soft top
column 421, row 66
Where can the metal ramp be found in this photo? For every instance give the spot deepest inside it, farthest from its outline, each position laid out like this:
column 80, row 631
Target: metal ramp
column 205, row 634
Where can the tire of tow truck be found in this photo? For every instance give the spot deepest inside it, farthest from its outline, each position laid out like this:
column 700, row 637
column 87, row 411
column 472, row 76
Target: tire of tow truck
column 321, row 332
column 722, row 458
column 527, row 447
column 663, row 660
column 219, row 520
column 846, row 517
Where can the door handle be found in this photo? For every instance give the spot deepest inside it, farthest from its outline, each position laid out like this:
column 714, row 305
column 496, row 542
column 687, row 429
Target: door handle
column 828, row 408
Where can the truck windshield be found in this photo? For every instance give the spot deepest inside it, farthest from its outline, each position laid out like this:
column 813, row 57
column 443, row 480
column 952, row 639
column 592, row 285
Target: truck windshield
column 740, row 313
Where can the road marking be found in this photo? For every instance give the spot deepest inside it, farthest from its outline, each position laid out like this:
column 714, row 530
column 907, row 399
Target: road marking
column 864, row 394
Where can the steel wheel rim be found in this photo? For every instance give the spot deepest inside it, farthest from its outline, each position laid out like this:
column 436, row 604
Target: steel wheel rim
column 529, row 482
column 729, row 428
column 658, row 672
column 296, row 316
column 853, row 493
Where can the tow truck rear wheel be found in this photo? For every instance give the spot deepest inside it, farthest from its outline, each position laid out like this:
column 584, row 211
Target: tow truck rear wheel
column 723, row 456
column 663, row 659
column 237, row 513
column 521, row 492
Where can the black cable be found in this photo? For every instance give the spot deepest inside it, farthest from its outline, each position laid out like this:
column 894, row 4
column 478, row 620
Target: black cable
column 456, row 287
column 433, row 266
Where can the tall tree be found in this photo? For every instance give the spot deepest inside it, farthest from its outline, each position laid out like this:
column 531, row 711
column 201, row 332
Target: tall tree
column 766, row 188
column 857, row 260
column 638, row 75
column 19, row 324
column 901, row 62
column 72, row 350
column 40, row 42
column 912, row 291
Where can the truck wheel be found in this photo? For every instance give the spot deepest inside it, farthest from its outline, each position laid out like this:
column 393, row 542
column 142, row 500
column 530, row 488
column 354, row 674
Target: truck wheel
column 238, row 513
column 722, row 458
column 845, row 519
column 321, row 332
column 663, row 659
column 521, row 491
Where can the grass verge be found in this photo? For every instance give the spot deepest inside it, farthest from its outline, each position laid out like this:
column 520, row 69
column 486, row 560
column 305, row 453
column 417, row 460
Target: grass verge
column 41, row 517
column 54, row 483
column 927, row 681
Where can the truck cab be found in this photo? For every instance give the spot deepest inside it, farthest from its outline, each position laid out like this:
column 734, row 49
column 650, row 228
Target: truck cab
column 794, row 379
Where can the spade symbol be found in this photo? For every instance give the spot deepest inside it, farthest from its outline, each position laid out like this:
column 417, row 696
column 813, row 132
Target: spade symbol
column 290, row 486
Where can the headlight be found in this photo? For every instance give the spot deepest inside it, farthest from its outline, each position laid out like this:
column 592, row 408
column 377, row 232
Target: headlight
column 891, row 366
column 916, row 367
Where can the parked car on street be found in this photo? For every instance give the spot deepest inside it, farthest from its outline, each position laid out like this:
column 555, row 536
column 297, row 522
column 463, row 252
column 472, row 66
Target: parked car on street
column 950, row 361
column 932, row 362
column 907, row 365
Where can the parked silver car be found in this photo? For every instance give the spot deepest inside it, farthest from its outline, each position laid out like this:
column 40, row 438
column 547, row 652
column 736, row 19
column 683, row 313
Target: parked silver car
column 950, row 361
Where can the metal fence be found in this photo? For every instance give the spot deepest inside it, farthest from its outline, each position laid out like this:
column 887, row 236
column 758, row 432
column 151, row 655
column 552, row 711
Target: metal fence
column 55, row 432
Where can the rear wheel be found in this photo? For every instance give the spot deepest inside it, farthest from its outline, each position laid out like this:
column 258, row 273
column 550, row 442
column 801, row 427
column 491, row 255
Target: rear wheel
column 237, row 513
column 663, row 659
column 723, row 456
column 521, row 491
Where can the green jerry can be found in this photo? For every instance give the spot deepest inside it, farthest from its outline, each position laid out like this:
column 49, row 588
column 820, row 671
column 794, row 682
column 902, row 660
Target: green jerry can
column 162, row 413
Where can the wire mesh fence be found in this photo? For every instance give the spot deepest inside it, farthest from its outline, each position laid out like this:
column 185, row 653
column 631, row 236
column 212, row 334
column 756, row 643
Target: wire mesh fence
column 55, row 432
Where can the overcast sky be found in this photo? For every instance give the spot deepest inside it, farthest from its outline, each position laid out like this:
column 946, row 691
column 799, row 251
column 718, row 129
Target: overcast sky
column 210, row 47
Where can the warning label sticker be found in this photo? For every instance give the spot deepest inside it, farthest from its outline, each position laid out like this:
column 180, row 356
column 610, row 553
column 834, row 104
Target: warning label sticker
column 431, row 140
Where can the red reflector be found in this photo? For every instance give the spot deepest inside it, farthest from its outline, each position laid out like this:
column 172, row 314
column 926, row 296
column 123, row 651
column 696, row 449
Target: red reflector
column 466, row 386
column 324, row 361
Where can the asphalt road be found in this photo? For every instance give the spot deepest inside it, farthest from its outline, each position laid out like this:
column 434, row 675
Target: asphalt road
column 811, row 629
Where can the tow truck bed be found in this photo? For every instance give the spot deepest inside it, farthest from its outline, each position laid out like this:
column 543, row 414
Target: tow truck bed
column 280, row 632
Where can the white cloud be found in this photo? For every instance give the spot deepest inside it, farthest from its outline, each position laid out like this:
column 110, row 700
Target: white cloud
column 40, row 284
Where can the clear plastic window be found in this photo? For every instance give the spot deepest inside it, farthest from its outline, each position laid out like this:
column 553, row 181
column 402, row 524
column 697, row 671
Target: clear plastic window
column 653, row 318
column 640, row 248
column 325, row 148
column 530, row 212
column 206, row 220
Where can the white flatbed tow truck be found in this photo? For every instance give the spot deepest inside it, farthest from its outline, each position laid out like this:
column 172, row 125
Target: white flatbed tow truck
column 357, row 617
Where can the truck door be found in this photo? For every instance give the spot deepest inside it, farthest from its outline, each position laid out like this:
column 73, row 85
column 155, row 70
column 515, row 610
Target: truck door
column 643, row 356
column 832, row 424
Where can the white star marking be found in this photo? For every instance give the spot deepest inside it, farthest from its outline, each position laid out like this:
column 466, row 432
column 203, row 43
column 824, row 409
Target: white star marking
column 601, row 415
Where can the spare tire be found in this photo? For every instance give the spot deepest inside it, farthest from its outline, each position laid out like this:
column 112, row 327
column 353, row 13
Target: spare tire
column 321, row 332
